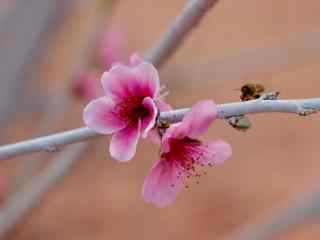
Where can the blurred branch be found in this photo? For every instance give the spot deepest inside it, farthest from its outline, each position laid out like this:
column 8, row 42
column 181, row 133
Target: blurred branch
column 296, row 213
column 60, row 105
column 177, row 32
column 53, row 142
column 55, row 105
column 22, row 37
column 56, row 109
column 7, row 11
column 23, row 201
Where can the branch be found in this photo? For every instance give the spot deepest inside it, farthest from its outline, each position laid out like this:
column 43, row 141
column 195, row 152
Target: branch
column 53, row 142
column 28, row 25
column 296, row 213
column 56, row 106
column 172, row 39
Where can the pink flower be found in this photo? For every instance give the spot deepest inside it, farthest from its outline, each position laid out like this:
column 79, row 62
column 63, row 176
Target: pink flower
column 182, row 153
column 128, row 110
column 110, row 50
column 87, row 86
column 112, row 46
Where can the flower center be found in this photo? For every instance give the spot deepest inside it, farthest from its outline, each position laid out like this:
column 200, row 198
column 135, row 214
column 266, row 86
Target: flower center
column 131, row 110
column 186, row 153
column 189, row 156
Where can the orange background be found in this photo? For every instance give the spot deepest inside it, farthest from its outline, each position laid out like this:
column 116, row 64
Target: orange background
column 275, row 161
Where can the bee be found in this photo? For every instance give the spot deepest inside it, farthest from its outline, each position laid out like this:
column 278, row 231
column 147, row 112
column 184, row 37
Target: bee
column 251, row 91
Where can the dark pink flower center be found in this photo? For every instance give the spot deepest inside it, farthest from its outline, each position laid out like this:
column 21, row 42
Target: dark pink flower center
column 186, row 154
column 131, row 109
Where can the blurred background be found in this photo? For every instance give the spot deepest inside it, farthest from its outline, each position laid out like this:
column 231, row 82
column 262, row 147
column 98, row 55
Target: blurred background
column 53, row 52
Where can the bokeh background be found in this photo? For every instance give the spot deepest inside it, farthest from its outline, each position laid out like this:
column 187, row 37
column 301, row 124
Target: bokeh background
column 45, row 44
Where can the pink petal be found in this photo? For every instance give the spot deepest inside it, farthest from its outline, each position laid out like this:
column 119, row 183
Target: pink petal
column 116, row 82
column 149, row 79
column 214, row 152
column 124, row 143
column 198, row 120
column 135, row 60
column 123, row 81
column 195, row 122
column 99, row 115
column 162, row 184
column 86, row 86
column 112, row 46
column 149, row 121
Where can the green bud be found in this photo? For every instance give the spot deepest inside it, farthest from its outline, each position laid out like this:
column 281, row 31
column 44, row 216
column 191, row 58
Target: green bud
column 241, row 123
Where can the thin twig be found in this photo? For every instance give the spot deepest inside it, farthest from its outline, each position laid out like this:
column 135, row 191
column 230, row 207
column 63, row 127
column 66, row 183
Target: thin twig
column 21, row 41
column 177, row 32
column 296, row 213
column 54, row 142
column 56, row 110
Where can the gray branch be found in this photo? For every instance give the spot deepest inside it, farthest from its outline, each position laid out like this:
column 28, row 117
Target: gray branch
column 177, row 32
column 55, row 141
column 23, row 201
column 295, row 214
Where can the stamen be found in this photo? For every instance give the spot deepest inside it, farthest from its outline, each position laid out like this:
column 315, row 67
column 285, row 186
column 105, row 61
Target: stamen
column 131, row 109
